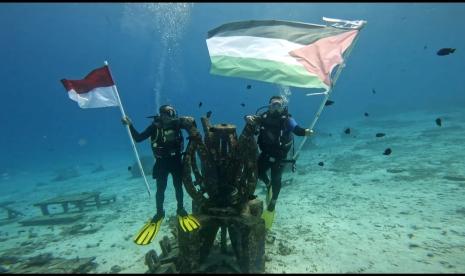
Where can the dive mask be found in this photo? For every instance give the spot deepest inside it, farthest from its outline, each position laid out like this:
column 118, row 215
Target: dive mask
column 168, row 111
column 276, row 106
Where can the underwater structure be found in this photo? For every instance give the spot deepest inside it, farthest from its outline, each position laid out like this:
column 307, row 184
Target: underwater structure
column 223, row 201
column 73, row 206
column 12, row 214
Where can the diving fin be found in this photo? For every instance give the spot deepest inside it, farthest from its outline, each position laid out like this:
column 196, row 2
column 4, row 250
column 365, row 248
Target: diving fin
column 268, row 216
column 149, row 231
column 269, row 212
column 187, row 222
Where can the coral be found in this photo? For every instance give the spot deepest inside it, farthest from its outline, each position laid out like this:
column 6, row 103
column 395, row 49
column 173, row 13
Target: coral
column 46, row 263
column 6, row 260
column 80, row 229
column 115, row 269
column 65, row 174
column 39, row 260
column 284, row 250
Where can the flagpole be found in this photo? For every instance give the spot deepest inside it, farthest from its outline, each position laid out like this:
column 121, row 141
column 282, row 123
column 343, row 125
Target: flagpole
column 129, row 132
column 327, row 94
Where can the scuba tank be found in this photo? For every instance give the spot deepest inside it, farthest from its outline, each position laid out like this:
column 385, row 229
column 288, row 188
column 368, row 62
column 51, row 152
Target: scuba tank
column 271, row 134
column 169, row 140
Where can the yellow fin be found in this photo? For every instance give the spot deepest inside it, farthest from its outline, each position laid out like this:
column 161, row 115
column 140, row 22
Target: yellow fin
column 148, row 232
column 269, row 218
column 188, row 223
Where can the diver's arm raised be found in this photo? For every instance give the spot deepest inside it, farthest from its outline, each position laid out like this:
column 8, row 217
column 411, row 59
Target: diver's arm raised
column 298, row 130
column 252, row 122
column 139, row 137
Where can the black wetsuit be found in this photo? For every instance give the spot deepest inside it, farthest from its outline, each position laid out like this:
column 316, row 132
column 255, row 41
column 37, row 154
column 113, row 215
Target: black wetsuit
column 167, row 145
column 275, row 141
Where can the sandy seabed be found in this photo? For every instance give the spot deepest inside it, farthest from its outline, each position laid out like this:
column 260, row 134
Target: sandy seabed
column 360, row 212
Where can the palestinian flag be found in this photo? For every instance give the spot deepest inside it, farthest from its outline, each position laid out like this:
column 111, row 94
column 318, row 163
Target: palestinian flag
column 282, row 52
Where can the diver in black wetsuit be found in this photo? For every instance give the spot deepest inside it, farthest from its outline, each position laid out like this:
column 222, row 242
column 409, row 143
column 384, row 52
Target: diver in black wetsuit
column 167, row 144
column 276, row 126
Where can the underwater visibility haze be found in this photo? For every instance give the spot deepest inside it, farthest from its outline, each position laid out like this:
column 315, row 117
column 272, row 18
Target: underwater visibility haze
column 378, row 187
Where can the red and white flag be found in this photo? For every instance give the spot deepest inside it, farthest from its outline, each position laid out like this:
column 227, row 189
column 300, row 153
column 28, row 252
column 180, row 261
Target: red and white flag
column 97, row 89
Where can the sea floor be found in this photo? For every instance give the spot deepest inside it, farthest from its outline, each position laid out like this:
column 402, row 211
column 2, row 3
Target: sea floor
column 362, row 211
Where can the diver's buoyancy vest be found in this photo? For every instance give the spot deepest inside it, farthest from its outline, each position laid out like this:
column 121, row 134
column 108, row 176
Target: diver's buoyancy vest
column 168, row 139
column 272, row 138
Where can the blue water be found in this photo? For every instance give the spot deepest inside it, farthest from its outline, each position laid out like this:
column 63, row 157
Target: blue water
column 43, row 43
column 157, row 54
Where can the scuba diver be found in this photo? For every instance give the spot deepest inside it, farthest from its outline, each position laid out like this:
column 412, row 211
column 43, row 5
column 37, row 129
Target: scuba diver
column 167, row 144
column 275, row 139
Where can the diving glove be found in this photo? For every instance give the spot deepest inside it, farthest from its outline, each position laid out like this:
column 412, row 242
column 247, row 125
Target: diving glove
column 126, row 121
column 309, row 132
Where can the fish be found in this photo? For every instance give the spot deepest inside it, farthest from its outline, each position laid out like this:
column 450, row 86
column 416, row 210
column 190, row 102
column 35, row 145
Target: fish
column 347, row 130
column 249, row 86
column 425, row 47
column 329, row 102
column 380, row 134
column 373, row 91
column 129, row 168
column 439, row 121
column 243, row 104
column 200, row 104
column 366, row 114
column 387, row 151
column 445, row 51
column 209, row 113
column 321, row 164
